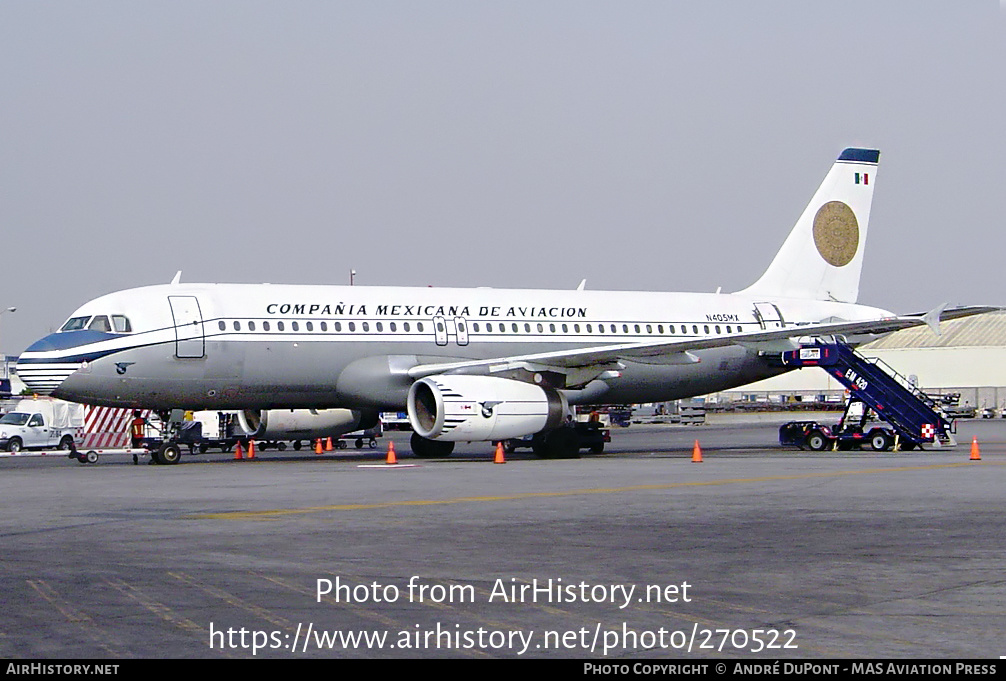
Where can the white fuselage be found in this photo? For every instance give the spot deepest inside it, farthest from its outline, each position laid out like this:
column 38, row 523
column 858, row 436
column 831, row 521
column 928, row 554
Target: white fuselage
column 230, row 346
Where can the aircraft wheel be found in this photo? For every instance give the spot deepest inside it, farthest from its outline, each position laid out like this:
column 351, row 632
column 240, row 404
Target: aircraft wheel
column 563, row 443
column 816, row 441
column 372, row 444
column 168, row 454
column 430, row 449
column 359, row 443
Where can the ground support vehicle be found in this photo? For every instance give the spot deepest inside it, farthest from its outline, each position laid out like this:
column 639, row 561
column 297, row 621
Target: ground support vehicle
column 591, row 435
column 849, row 433
column 913, row 417
column 362, row 438
column 41, row 424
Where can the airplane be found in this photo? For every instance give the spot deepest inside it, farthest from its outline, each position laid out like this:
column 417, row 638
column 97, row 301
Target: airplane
column 469, row 364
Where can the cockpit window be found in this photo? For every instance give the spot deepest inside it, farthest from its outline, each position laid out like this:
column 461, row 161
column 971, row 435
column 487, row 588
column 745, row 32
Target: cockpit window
column 75, row 324
column 99, row 323
column 121, row 324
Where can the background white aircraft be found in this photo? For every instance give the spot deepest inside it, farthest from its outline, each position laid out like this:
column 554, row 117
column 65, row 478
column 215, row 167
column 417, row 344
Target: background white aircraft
column 468, row 364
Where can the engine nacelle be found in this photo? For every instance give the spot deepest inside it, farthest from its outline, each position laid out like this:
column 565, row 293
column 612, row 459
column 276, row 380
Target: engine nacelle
column 461, row 408
column 302, row 424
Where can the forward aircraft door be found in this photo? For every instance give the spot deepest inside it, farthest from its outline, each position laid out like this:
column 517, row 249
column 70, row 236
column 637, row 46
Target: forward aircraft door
column 440, row 330
column 189, row 340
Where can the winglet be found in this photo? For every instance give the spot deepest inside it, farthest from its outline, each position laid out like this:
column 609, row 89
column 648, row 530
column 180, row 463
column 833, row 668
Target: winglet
column 932, row 318
column 583, row 283
column 177, row 278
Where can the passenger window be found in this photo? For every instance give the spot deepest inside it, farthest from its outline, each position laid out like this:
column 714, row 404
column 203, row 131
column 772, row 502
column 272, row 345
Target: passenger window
column 222, row 326
column 380, row 326
column 419, row 327
column 406, row 327
column 310, row 326
column 294, row 326
column 279, row 326
column 121, row 324
column 99, row 323
column 36, row 421
column 324, row 326
column 366, row 326
column 265, row 326
column 237, row 326
column 251, row 326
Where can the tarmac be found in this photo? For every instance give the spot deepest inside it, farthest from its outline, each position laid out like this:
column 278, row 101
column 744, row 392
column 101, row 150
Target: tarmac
column 758, row 552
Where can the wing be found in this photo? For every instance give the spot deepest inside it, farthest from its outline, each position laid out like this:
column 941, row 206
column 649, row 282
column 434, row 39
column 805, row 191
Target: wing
column 679, row 351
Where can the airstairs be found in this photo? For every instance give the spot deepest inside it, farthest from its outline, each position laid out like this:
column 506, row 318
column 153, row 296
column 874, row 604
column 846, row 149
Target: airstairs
column 916, row 417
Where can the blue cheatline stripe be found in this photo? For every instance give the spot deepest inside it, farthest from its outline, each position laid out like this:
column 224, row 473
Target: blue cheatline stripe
column 860, row 155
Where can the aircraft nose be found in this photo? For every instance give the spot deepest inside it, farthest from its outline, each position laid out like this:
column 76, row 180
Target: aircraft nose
column 44, row 365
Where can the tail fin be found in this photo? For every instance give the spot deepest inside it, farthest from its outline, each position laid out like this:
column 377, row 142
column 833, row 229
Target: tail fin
column 822, row 257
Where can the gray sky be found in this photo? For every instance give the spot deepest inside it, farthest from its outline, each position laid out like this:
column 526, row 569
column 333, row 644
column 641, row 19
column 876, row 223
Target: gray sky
column 642, row 145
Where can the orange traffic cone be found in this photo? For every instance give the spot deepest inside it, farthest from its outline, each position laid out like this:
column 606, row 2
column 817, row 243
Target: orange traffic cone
column 328, row 444
column 238, row 452
column 976, row 455
column 696, row 453
column 317, row 446
column 251, row 449
column 392, row 459
column 499, row 458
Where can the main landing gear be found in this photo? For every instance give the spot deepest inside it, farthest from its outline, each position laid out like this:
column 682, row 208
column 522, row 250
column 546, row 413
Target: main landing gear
column 430, row 449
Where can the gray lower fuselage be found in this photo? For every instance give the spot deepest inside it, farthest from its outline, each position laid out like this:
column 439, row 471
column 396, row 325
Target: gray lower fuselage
column 362, row 374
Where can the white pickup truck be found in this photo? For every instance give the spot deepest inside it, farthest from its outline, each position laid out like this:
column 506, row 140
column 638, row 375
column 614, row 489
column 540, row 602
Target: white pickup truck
column 41, row 424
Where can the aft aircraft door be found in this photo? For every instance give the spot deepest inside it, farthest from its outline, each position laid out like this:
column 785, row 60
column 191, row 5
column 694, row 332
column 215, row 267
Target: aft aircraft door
column 189, row 340
column 769, row 316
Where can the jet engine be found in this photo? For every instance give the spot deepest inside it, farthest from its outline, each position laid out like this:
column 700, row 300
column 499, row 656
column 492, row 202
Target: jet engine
column 302, row 424
column 461, row 408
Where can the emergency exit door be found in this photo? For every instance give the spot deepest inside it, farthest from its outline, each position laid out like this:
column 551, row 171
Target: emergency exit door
column 190, row 342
